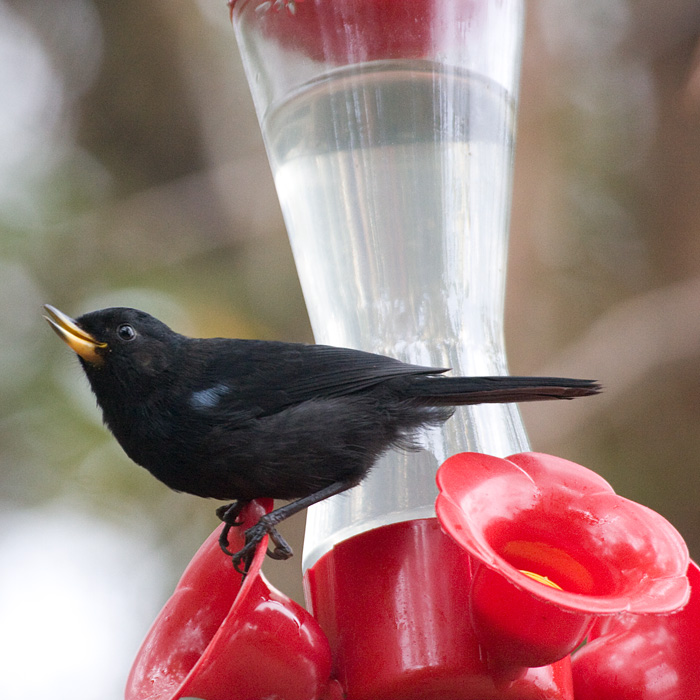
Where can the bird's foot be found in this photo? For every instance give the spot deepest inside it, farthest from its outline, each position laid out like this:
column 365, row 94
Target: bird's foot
column 253, row 536
column 229, row 515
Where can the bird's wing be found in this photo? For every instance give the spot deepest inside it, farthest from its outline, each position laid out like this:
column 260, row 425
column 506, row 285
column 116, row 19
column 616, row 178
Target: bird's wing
column 264, row 377
column 330, row 372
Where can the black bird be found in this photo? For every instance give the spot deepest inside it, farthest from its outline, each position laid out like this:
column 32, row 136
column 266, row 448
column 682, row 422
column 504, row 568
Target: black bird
column 244, row 419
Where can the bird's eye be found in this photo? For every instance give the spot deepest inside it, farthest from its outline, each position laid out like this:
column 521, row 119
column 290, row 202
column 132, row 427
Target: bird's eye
column 126, row 332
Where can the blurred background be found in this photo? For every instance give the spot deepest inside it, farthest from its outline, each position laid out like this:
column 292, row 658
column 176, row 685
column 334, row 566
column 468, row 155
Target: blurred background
column 132, row 172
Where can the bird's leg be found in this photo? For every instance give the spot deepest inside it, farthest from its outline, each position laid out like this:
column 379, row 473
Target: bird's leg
column 266, row 526
column 228, row 514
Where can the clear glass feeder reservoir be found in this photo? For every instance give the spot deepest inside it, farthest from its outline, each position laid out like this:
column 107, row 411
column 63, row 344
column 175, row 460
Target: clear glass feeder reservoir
column 390, row 131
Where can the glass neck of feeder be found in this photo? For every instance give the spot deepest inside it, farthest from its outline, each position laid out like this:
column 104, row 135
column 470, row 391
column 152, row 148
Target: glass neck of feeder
column 394, row 177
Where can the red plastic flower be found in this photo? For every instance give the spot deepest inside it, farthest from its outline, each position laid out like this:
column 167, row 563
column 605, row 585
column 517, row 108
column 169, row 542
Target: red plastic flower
column 643, row 657
column 222, row 640
column 556, row 547
column 392, row 603
column 335, row 30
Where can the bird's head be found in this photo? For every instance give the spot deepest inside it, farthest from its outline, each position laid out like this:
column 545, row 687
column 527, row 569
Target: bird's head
column 125, row 344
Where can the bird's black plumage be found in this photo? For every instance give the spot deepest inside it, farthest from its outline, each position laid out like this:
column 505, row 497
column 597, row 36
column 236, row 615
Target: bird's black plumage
column 243, row 419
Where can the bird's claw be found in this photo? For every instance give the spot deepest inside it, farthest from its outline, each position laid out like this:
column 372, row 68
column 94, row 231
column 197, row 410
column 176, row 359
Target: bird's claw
column 223, row 541
column 282, row 549
column 245, row 557
column 253, row 537
column 229, row 514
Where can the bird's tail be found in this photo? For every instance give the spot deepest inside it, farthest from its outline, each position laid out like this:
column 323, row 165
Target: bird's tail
column 460, row 391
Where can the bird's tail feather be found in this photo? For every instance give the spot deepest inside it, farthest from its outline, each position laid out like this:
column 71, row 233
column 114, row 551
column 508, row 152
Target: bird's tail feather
column 461, row 391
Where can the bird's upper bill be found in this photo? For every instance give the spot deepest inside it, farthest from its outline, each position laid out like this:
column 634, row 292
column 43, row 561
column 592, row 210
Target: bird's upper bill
column 81, row 342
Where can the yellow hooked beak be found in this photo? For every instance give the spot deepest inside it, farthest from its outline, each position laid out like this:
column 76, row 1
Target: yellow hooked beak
column 74, row 336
